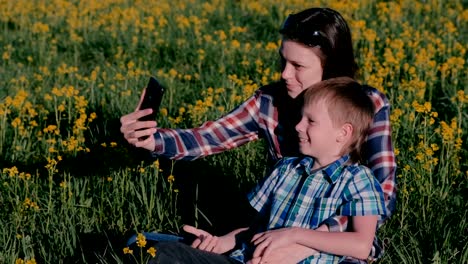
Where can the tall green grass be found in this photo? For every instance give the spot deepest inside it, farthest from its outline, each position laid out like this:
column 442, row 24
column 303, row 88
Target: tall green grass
column 73, row 191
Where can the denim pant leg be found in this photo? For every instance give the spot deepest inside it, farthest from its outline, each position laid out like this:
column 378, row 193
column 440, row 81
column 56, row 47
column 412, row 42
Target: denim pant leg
column 171, row 252
column 154, row 237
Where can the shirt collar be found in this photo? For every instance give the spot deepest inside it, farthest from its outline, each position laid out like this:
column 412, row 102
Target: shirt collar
column 331, row 171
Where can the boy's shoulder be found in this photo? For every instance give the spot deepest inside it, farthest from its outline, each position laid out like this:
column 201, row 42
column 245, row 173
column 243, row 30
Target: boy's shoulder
column 356, row 172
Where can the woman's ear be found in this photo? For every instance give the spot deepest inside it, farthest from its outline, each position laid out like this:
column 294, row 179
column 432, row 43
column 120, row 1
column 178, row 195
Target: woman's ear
column 345, row 133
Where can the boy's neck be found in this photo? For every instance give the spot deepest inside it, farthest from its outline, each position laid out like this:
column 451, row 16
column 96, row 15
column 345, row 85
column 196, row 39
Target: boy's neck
column 324, row 161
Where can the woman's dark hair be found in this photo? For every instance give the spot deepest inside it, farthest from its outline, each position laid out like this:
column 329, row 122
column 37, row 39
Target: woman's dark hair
column 324, row 28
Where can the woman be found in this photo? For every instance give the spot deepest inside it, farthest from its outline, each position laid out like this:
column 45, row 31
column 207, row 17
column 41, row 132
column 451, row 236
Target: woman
column 316, row 45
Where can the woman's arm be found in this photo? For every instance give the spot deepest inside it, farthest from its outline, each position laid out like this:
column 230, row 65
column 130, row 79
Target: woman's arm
column 381, row 158
column 236, row 128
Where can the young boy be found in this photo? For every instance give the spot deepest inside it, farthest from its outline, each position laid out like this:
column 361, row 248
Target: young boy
column 303, row 192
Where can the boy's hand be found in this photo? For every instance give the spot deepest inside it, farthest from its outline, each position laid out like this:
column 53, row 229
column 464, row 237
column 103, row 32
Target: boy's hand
column 207, row 242
column 271, row 240
column 291, row 254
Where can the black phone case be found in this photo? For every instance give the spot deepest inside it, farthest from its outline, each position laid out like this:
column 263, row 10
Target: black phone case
column 153, row 96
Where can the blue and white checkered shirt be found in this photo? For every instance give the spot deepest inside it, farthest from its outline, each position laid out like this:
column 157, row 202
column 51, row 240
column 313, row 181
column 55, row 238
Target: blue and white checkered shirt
column 295, row 195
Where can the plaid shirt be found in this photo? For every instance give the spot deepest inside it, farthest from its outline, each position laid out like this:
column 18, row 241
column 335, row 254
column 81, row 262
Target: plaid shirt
column 272, row 115
column 295, row 195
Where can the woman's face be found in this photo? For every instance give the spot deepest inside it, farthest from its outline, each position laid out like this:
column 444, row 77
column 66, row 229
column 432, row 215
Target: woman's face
column 301, row 66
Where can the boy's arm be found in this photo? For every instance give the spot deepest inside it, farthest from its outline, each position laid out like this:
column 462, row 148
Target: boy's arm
column 290, row 254
column 356, row 243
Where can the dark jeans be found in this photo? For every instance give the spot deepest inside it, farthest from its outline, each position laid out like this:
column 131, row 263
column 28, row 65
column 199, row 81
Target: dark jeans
column 171, row 249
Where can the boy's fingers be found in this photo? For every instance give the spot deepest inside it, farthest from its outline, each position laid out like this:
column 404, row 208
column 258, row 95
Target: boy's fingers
column 205, row 243
column 259, row 250
column 196, row 243
column 193, row 230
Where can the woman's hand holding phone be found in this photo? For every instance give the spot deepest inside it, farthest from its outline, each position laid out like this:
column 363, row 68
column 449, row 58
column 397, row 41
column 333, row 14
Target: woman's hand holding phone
column 134, row 130
column 139, row 126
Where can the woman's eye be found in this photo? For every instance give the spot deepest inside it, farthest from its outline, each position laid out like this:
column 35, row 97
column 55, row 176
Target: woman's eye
column 297, row 66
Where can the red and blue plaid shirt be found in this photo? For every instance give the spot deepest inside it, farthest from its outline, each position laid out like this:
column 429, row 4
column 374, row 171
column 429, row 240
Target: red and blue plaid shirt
column 272, row 115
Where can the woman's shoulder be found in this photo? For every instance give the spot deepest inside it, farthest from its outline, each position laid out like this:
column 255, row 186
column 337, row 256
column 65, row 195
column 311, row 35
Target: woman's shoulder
column 378, row 97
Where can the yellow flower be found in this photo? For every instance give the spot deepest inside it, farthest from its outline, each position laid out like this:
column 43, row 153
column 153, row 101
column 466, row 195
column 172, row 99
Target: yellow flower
column 92, row 116
column 19, row 261
column 171, row 178
column 173, row 73
column 141, row 240
column 152, row 251
column 6, row 55
column 40, row 27
column 127, row 250
column 63, row 184
column 164, row 112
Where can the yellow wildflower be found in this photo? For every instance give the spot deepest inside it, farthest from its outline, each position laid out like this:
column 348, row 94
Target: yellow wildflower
column 171, row 178
column 152, row 251
column 141, row 240
column 127, row 250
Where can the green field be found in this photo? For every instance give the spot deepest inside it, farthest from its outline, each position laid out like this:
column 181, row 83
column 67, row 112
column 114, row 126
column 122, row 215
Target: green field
column 73, row 191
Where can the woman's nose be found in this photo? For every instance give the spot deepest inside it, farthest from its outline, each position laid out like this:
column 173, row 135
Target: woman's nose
column 286, row 71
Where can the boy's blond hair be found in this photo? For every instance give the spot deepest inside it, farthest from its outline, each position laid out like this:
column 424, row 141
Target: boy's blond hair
column 347, row 103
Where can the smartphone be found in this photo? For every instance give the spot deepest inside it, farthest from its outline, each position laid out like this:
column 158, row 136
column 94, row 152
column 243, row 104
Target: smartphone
column 153, row 95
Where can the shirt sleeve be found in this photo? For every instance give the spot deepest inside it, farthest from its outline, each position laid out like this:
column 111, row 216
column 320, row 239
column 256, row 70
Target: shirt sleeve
column 236, row 128
column 363, row 194
column 381, row 157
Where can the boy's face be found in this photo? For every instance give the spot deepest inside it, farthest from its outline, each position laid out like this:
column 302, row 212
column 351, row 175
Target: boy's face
column 317, row 133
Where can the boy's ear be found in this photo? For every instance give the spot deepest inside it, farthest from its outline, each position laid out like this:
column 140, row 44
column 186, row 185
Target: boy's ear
column 345, row 133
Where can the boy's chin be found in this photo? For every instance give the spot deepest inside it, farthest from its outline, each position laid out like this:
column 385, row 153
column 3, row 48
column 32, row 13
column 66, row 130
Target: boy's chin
column 305, row 151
